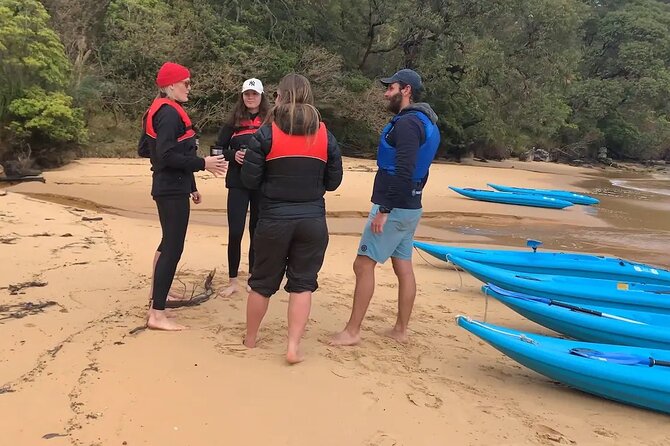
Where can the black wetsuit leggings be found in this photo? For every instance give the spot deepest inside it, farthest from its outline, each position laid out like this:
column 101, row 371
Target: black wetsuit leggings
column 239, row 200
column 173, row 213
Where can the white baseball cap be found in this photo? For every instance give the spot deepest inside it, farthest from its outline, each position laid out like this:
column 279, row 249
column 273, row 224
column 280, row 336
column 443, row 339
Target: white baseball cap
column 253, row 84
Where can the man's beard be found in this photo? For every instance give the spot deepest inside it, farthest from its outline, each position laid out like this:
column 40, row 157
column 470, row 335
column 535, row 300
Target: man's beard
column 394, row 103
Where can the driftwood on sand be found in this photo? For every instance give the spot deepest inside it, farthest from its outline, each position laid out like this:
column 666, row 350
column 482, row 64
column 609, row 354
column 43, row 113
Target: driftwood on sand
column 195, row 298
column 21, row 179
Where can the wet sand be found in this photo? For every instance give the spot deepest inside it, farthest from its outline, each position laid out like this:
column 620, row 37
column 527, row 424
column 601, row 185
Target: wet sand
column 72, row 374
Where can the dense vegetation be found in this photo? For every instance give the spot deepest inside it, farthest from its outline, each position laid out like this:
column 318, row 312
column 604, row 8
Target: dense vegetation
column 570, row 76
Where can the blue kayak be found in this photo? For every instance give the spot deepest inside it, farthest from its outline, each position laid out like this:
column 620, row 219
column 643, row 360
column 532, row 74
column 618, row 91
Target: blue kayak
column 589, row 323
column 615, row 372
column 579, row 290
column 572, row 197
column 556, row 263
column 510, row 198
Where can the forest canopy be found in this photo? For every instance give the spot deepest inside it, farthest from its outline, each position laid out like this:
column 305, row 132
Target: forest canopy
column 504, row 76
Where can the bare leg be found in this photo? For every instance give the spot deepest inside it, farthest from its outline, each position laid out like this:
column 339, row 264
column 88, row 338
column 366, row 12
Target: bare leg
column 364, row 268
column 299, row 306
column 232, row 287
column 257, row 306
column 158, row 320
column 406, row 295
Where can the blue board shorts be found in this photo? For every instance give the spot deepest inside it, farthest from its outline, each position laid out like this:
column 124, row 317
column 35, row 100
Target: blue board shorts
column 397, row 237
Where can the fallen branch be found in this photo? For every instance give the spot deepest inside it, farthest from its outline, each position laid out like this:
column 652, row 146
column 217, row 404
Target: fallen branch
column 195, row 299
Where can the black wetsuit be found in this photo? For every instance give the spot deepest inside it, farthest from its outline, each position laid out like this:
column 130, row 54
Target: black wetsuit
column 173, row 161
column 240, row 198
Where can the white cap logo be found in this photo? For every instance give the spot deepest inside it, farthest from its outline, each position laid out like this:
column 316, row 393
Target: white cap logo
column 253, row 84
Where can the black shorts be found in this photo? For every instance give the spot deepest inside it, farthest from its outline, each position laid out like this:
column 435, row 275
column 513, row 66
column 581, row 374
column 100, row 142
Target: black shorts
column 295, row 247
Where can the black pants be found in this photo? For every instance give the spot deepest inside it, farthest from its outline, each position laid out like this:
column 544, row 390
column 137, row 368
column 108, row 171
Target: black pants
column 295, row 247
column 239, row 200
column 173, row 213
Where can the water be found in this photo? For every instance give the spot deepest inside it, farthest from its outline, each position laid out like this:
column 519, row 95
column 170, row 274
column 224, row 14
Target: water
column 658, row 184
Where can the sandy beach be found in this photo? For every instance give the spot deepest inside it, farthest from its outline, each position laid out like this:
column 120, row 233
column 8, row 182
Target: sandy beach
column 74, row 284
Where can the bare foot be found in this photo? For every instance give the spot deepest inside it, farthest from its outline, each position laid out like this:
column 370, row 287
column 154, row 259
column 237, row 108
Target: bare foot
column 344, row 338
column 158, row 320
column 294, row 356
column 172, row 296
column 249, row 343
column 400, row 336
column 231, row 289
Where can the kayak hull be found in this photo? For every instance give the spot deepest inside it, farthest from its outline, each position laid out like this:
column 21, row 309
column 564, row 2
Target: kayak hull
column 572, row 197
column 555, row 263
column 613, row 326
column 512, row 198
column 579, row 290
column 637, row 385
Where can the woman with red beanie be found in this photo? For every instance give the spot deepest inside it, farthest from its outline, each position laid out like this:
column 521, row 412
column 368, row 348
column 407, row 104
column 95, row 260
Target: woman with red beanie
column 169, row 141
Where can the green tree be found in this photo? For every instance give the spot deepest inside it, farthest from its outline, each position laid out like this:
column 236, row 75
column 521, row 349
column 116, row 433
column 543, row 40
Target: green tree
column 35, row 112
column 623, row 97
column 30, row 52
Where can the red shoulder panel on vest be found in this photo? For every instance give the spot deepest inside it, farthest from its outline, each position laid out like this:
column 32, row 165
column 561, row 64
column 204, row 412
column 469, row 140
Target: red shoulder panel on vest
column 305, row 146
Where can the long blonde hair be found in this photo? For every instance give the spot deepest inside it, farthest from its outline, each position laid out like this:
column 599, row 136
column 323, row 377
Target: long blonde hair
column 295, row 112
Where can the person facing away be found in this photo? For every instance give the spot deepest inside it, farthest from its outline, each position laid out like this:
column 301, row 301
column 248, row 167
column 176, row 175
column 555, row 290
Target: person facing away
column 407, row 147
column 293, row 160
column 245, row 119
column 169, row 140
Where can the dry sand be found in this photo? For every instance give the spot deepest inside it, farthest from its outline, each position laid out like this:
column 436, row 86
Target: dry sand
column 72, row 374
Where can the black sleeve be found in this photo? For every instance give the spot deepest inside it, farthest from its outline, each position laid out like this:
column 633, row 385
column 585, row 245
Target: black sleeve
column 223, row 140
column 253, row 168
column 194, row 187
column 333, row 177
column 167, row 123
column 408, row 135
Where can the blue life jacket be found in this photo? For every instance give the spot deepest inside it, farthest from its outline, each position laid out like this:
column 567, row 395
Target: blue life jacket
column 386, row 153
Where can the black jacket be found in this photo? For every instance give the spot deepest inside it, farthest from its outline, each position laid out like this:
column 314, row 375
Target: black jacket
column 172, row 162
column 291, row 186
column 230, row 146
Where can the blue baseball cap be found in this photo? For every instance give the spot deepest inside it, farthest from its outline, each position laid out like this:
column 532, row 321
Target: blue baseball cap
column 406, row 76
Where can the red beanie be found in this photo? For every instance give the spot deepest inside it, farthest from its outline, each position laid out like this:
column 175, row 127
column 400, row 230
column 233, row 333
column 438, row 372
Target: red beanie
column 171, row 73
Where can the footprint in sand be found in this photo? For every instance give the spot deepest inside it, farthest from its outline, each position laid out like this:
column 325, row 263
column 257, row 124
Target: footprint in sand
column 427, row 399
column 423, row 397
column 382, row 439
column 603, row 432
column 548, row 435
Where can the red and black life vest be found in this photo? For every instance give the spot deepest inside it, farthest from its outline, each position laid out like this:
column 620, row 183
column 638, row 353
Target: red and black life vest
column 303, row 146
column 248, row 126
column 155, row 106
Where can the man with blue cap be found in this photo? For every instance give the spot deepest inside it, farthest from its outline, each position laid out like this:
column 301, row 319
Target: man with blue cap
column 407, row 147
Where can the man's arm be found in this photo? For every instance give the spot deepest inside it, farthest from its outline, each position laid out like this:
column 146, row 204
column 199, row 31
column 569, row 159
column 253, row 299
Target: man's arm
column 407, row 133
